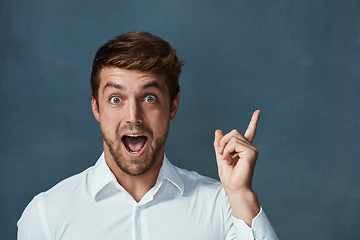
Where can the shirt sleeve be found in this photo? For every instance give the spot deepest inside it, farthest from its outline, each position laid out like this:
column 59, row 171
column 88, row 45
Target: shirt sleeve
column 260, row 228
column 31, row 223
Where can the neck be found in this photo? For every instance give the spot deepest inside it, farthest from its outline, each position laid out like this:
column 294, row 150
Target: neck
column 139, row 185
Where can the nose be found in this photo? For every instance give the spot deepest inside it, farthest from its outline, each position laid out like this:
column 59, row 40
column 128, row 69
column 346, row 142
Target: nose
column 133, row 112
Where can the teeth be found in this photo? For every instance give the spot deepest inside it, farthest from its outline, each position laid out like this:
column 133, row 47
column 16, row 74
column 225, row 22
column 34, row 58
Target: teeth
column 131, row 151
column 133, row 135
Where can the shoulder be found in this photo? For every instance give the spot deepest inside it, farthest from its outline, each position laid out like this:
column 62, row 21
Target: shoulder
column 196, row 177
column 32, row 223
column 29, row 224
column 34, row 218
column 195, row 181
column 69, row 186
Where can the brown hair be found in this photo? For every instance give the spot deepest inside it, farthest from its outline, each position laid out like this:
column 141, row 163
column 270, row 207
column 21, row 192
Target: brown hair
column 138, row 51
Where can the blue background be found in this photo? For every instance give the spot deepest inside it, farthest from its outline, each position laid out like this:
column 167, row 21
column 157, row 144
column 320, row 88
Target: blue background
column 297, row 61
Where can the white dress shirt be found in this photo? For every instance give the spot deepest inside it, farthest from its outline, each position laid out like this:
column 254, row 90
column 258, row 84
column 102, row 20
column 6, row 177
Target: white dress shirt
column 93, row 205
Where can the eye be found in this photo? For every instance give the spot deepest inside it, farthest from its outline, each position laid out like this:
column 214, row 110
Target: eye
column 150, row 98
column 115, row 100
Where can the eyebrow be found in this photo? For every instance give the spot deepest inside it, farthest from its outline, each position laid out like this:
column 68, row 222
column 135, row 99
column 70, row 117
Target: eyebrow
column 150, row 85
column 146, row 86
column 117, row 86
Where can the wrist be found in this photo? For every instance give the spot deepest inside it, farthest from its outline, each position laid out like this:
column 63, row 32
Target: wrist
column 244, row 204
column 239, row 191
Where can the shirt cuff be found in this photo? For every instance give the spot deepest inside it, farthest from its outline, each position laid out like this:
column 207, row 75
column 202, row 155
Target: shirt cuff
column 260, row 228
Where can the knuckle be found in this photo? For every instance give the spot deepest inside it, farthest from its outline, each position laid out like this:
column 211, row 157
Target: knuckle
column 255, row 151
column 231, row 140
column 234, row 131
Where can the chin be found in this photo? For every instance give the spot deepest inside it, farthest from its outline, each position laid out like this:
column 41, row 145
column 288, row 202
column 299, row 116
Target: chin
column 135, row 169
column 135, row 165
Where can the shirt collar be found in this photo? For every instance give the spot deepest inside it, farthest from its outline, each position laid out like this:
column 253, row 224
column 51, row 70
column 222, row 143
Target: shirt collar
column 171, row 174
column 101, row 176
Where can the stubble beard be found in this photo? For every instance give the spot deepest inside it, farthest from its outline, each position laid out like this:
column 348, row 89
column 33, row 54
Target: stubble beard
column 149, row 159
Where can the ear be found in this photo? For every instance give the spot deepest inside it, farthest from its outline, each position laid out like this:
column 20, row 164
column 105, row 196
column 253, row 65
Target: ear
column 174, row 107
column 95, row 109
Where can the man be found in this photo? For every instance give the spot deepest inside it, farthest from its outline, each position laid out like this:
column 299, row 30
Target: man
column 133, row 191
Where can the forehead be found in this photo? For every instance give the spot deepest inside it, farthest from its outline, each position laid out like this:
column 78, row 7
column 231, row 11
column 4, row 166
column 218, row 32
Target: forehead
column 128, row 79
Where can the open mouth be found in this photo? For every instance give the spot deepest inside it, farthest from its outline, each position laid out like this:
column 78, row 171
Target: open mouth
column 134, row 143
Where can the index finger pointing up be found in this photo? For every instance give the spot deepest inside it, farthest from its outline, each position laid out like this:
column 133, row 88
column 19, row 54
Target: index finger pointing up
column 251, row 130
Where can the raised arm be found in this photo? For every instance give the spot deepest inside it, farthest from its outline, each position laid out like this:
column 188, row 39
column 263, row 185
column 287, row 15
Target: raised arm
column 236, row 158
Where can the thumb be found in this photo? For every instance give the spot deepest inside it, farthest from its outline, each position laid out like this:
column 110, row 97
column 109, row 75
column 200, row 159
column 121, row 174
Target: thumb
column 218, row 135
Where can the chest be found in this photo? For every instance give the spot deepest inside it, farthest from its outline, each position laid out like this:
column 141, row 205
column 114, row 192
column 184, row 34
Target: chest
column 178, row 217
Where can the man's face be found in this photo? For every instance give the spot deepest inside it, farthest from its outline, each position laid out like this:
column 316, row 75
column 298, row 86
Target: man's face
column 134, row 113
